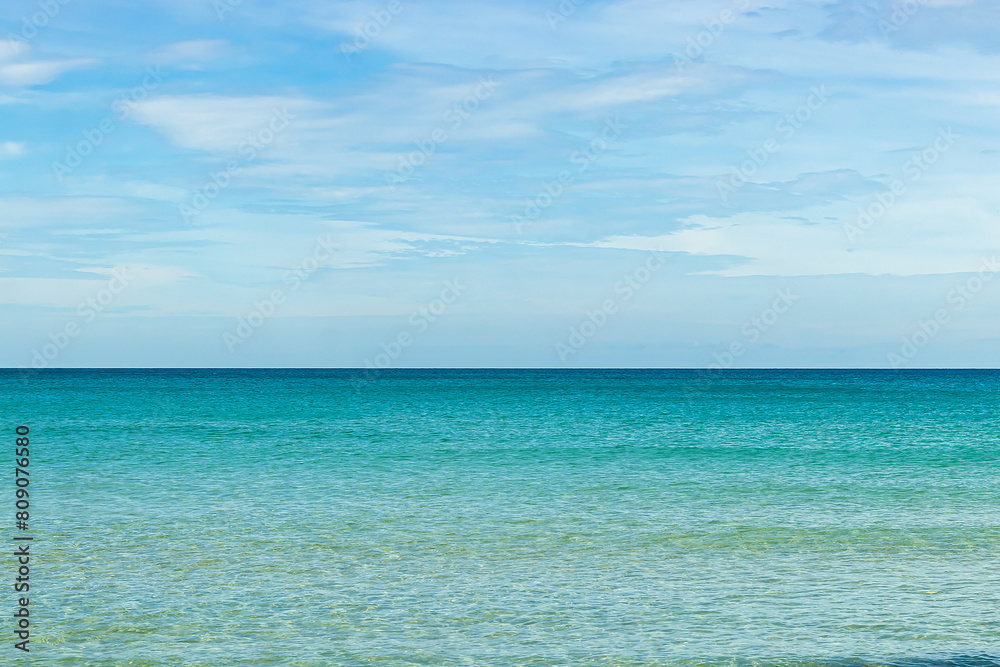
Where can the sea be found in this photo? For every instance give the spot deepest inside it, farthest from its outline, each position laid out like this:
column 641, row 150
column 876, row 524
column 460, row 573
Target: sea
column 683, row 518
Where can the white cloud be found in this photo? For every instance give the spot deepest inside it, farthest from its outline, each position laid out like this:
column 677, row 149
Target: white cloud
column 213, row 122
column 43, row 212
column 11, row 48
column 946, row 227
column 192, row 54
column 37, row 73
column 10, row 149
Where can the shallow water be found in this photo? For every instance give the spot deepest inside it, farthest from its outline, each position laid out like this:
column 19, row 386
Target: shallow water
column 771, row 518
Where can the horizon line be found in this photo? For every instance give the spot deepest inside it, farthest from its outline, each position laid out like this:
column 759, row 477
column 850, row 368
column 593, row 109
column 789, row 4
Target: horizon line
column 498, row 368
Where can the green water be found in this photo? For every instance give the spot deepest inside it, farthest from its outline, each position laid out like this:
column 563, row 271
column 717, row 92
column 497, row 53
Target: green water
column 509, row 517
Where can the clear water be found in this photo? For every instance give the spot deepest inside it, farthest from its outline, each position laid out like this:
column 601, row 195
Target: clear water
column 511, row 517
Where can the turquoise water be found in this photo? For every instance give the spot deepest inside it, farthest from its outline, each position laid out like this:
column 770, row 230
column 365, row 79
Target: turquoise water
column 510, row 517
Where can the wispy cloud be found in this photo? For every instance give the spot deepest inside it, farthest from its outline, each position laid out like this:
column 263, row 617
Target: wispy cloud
column 893, row 81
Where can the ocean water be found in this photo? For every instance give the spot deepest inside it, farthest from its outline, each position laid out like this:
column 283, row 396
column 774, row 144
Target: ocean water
column 318, row 517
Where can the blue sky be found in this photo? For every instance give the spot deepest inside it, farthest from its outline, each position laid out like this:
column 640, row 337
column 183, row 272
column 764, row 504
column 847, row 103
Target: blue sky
column 592, row 183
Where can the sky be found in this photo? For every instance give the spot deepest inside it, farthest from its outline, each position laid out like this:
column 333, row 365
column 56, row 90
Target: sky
column 585, row 183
